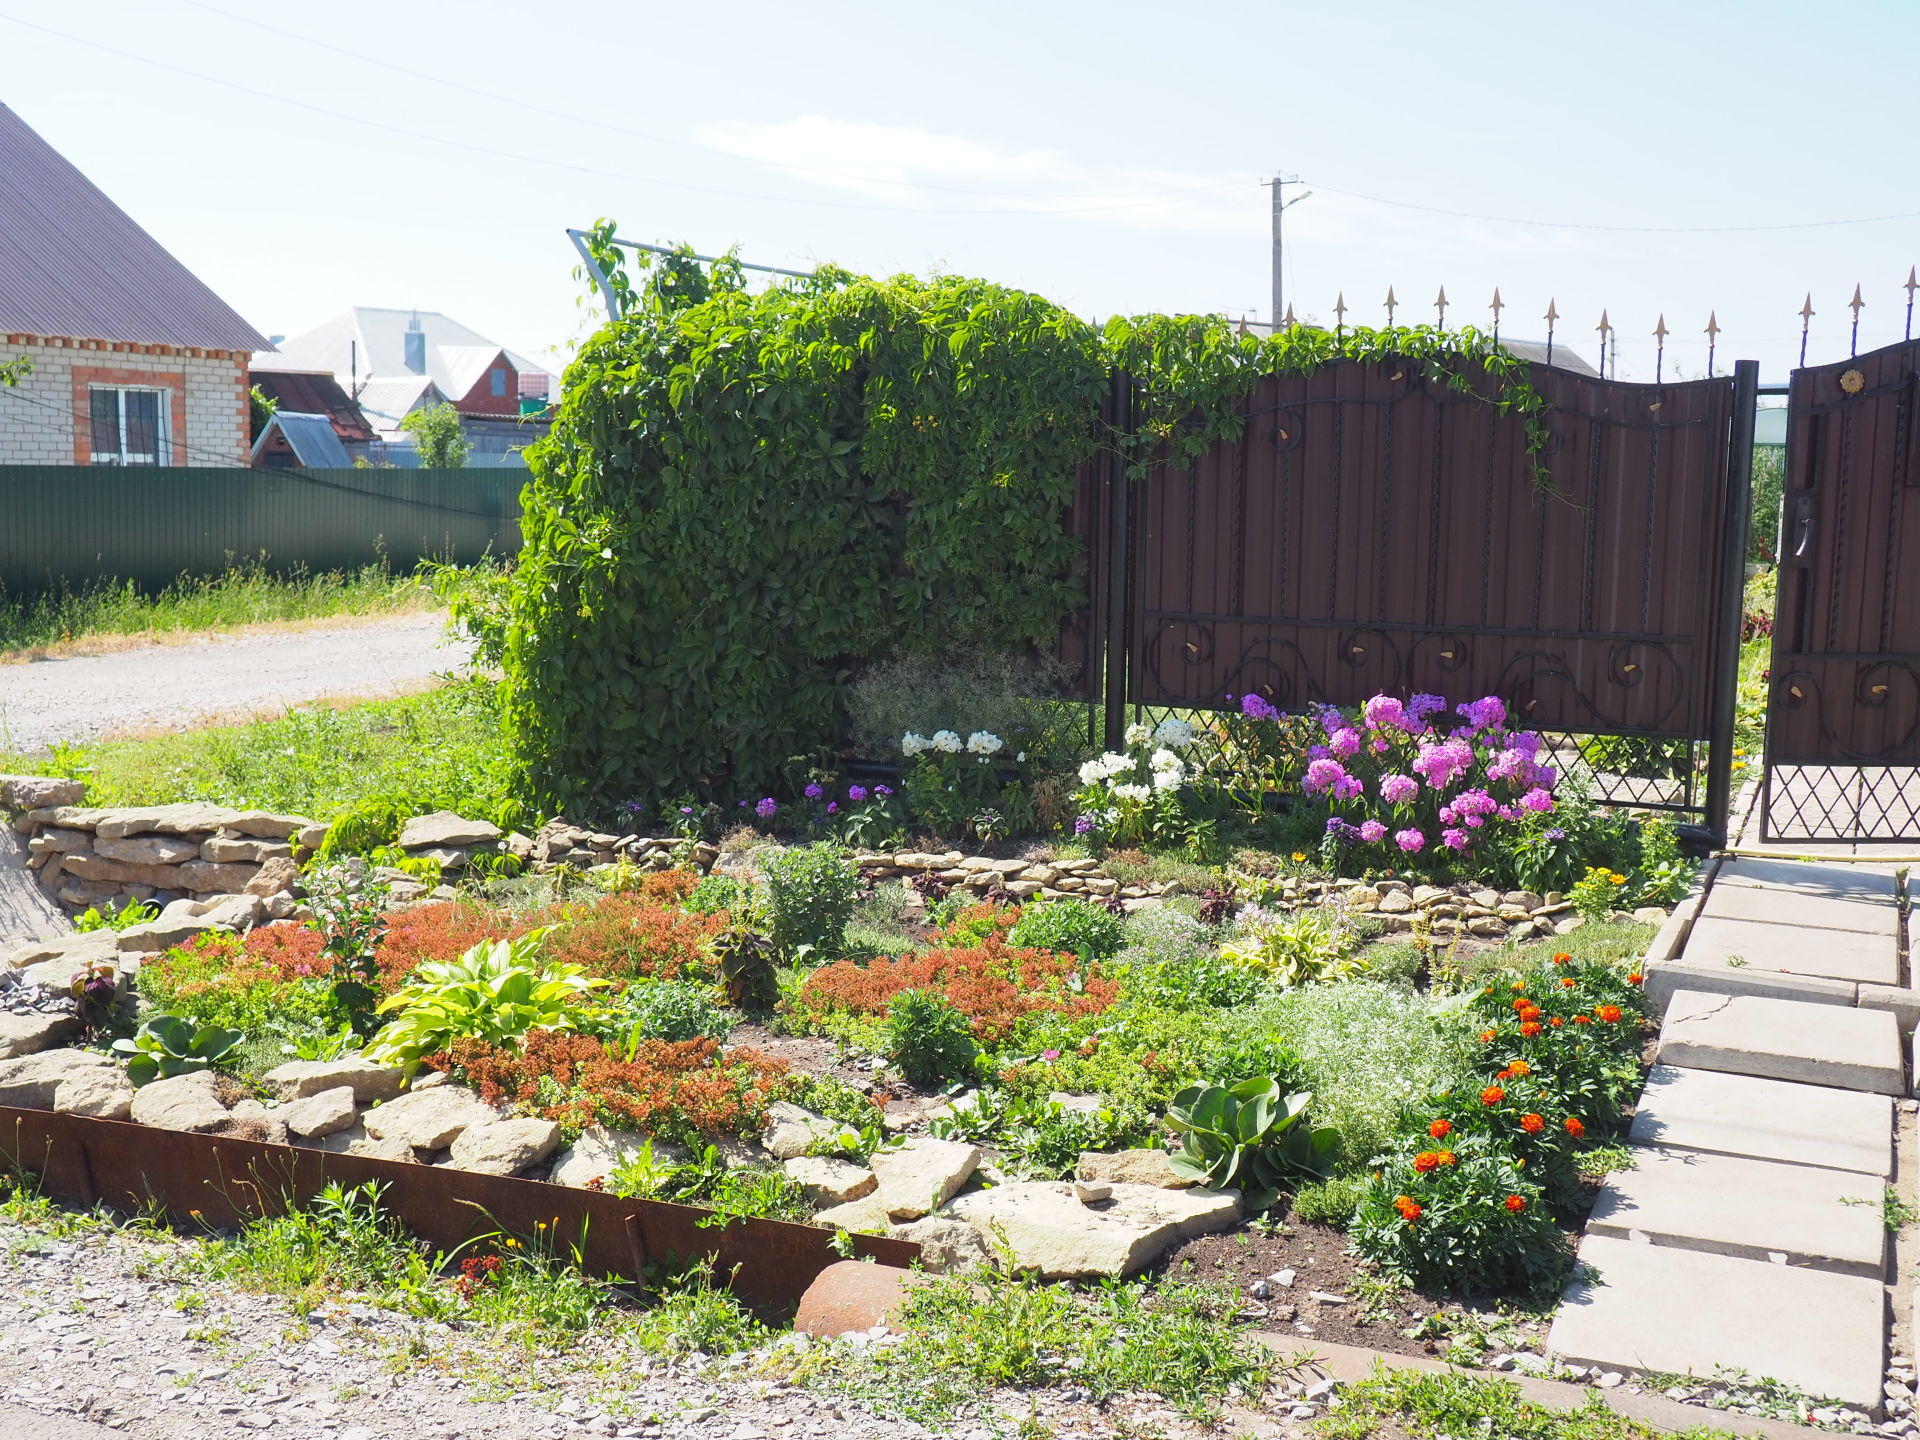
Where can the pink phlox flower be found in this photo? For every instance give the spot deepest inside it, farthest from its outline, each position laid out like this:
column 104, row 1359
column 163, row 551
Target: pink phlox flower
column 1384, row 711
column 1421, row 706
column 1538, row 801
column 1254, row 707
column 1344, row 742
column 1455, row 839
column 1442, row 762
column 1448, row 815
column 1322, row 775
column 1348, row 787
column 1474, row 802
column 1474, row 822
column 1372, row 831
column 1483, row 713
column 1410, row 840
column 1379, row 746
column 1398, row 789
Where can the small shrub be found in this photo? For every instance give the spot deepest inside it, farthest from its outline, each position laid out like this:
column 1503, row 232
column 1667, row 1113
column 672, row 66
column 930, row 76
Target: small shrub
column 1300, row 947
column 810, row 893
column 1577, row 1024
column 665, row 1010
column 1092, row 932
column 717, row 895
column 1329, row 1202
column 436, row 932
column 1462, row 1220
column 993, row 985
column 1597, row 892
column 676, row 1091
column 962, row 922
column 628, row 937
column 929, row 1040
column 1163, row 936
column 496, row 992
column 1205, row 981
column 275, row 980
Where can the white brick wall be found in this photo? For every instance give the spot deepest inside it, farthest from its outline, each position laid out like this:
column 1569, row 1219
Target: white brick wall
column 38, row 420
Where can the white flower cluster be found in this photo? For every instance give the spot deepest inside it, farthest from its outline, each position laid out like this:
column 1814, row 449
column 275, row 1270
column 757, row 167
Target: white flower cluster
column 983, row 742
column 946, row 742
column 1131, row 792
column 912, row 744
column 1169, row 771
column 1174, row 734
column 1105, row 767
column 1138, row 734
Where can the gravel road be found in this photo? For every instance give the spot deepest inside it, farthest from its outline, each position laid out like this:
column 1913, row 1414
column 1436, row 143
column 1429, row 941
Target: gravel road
column 174, row 687
column 105, row 1333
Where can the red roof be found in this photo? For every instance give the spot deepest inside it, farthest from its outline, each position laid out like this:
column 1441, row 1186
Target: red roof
column 314, row 392
column 73, row 264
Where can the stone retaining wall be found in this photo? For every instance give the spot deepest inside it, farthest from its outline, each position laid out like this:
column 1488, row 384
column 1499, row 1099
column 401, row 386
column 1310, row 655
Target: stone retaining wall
column 1014, row 879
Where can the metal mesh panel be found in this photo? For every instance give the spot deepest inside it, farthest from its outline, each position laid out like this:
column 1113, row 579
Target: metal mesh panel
column 1843, row 802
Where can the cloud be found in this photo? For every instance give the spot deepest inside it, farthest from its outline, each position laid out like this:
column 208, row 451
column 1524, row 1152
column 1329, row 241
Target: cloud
column 921, row 170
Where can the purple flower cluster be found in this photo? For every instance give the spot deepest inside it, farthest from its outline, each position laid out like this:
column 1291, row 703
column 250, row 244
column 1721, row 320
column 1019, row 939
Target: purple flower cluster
column 766, row 809
column 1419, row 775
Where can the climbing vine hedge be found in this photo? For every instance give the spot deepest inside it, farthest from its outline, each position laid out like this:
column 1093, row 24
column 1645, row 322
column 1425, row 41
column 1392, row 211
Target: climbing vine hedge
column 746, row 495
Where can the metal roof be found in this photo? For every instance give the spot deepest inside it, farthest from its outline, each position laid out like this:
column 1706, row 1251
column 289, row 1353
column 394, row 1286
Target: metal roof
column 373, row 339
column 73, row 263
column 314, row 392
column 386, row 403
column 310, row 437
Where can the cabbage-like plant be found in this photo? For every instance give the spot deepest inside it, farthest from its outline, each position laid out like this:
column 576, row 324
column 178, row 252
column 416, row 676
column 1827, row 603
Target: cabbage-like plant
column 497, row 991
column 169, row 1045
column 1252, row 1135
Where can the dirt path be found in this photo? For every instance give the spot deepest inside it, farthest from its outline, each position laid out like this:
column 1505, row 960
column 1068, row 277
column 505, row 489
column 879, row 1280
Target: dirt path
column 177, row 686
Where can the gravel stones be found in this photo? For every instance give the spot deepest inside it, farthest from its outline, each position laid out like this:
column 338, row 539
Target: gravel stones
column 298, row 1079
column 828, row 1182
column 504, row 1147
column 1051, row 1232
column 184, row 1102
column 326, row 1112
column 923, row 1175
column 428, row 1119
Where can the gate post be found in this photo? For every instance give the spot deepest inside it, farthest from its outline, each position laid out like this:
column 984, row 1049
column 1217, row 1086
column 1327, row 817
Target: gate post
column 1725, row 677
column 1115, row 640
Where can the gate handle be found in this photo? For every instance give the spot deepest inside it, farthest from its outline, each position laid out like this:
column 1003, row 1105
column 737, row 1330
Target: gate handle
column 1801, row 550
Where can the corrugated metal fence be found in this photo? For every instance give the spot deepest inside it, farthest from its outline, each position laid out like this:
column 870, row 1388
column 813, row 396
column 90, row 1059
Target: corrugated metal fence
column 73, row 524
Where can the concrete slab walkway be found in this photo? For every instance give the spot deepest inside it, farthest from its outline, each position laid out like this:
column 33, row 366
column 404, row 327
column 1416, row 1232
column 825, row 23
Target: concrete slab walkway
column 1749, row 1236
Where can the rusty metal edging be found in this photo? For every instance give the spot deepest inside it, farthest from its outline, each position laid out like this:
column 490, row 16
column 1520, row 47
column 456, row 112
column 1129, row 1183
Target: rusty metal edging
column 221, row 1181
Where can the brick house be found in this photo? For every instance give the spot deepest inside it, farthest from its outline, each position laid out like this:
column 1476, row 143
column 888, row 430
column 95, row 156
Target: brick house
column 134, row 360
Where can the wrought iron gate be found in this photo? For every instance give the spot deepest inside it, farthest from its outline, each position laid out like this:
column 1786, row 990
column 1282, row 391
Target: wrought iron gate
column 1843, row 708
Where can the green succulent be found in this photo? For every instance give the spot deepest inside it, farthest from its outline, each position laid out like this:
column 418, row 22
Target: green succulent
column 169, row 1045
column 1252, row 1135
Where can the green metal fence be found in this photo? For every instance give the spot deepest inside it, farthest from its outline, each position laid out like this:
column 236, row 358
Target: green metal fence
column 67, row 524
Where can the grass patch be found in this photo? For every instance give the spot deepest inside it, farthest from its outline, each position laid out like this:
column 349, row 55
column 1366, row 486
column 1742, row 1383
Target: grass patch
column 433, row 751
column 966, row 1336
column 244, row 594
column 1406, row 1402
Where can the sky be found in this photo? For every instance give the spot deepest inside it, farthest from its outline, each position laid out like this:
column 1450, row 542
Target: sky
column 1673, row 160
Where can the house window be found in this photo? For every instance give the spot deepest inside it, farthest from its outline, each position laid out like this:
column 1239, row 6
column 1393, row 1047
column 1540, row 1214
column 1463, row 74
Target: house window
column 129, row 425
column 499, row 382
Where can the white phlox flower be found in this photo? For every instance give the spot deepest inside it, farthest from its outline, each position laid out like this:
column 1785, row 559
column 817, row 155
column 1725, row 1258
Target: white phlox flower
column 946, row 742
column 1131, row 792
column 1138, row 733
column 913, row 744
column 1177, row 734
column 983, row 742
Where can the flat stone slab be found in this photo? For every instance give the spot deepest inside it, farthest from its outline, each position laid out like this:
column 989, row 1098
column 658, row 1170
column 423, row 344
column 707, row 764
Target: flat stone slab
column 1685, row 1312
column 1803, row 878
column 1720, row 977
column 1753, row 1209
column 1850, row 955
column 1785, row 1040
column 1722, row 1114
column 1800, row 909
column 1053, row 1233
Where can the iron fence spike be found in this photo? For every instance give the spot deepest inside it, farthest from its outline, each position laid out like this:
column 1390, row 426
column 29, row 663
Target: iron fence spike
column 1806, row 318
column 1712, row 333
column 1856, row 305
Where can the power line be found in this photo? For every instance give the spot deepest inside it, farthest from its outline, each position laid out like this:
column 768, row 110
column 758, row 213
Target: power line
column 648, row 135
column 595, row 171
column 1621, row 229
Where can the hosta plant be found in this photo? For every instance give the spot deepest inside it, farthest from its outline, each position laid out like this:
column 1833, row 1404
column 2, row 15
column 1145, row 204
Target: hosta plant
column 1253, row 1136
column 497, row 991
column 1297, row 948
column 169, row 1045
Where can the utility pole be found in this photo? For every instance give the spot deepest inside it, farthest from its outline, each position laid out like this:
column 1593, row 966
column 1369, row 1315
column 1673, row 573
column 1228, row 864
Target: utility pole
column 1280, row 207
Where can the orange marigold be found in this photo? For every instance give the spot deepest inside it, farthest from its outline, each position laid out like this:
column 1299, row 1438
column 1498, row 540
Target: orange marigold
column 1530, row 1029
column 1573, row 1126
column 1487, row 1037
column 1562, row 958
column 1556, row 1022
column 1636, row 978
column 1440, row 1129
column 1492, row 1095
column 1426, row 1162
column 1516, row 1203
column 1445, row 1157
column 1583, row 1019
column 1567, row 982
column 1532, row 1124
column 1520, row 1067
column 1522, row 1005
column 1608, row 1013
column 1409, row 1208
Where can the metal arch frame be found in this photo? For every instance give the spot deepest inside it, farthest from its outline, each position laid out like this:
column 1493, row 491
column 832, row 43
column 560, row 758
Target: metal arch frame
column 599, row 276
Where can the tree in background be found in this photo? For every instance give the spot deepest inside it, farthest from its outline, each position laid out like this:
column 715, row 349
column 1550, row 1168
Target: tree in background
column 436, row 430
column 260, row 408
column 12, row 370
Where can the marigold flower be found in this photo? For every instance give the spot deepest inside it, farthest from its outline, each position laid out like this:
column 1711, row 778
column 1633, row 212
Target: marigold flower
column 1516, row 1203
column 1562, row 958
column 1636, row 978
column 1519, row 1067
column 1492, row 1095
column 1566, row 982
column 1517, row 986
column 1486, row 1037
column 1409, row 1208
column 1532, row 1124
column 1506, row 1074
column 1608, row 1013
column 1426, row 1161
column 1583, row 1019
column 1555, row 1021
column 1573, row 1126
column 1530, row 1029
column 1445, row 1157
column 1521, row 1005
column 1440, row 1129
